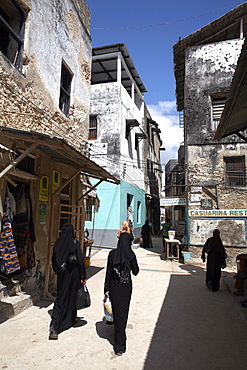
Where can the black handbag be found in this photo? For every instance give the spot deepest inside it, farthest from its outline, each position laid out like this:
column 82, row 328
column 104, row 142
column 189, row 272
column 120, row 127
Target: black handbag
column 72, row 257
column 83, row 299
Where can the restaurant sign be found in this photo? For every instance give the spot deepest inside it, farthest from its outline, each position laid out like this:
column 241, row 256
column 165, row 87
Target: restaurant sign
column 218, row 213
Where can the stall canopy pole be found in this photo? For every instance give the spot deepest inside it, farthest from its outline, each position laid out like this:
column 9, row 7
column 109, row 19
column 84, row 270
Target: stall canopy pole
column 49, row 250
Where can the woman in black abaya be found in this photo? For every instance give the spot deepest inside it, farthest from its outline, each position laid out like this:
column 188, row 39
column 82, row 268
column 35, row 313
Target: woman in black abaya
column 69, row 277
column 216, row 260
column 118, row 284
column 146, row 235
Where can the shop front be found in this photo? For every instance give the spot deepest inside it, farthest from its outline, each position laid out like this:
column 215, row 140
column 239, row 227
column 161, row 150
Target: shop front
column 43, row 184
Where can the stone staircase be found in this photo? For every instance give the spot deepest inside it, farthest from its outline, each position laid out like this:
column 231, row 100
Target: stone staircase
column 13, row 300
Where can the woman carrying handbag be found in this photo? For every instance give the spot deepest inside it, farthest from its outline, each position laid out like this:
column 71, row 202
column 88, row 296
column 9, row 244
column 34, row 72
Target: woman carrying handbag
column 68, row 264
column 118, row 284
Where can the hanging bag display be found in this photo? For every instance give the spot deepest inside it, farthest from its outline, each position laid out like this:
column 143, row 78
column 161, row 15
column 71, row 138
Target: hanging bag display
column 107, row 308
column 21, row 205
column 2, row 266
column 83, row 299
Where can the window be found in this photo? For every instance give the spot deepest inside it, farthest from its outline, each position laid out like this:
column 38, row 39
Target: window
column 92, row 127
column 218, row 104
column 12, row 22
column 89, row 212
column 235, row 170
column 27, row 164
column 138, row 212
column 65, row 87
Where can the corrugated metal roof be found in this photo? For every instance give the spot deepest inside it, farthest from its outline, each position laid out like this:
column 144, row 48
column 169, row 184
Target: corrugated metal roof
column 59, row 150
column 104, row 69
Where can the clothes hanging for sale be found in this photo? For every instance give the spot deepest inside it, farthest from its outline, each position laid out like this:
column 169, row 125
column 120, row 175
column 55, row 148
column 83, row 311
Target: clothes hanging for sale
column 30, row 260
column 7, row 245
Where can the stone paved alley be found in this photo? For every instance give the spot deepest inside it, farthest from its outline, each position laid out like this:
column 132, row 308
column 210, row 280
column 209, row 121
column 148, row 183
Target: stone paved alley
column 175, row 323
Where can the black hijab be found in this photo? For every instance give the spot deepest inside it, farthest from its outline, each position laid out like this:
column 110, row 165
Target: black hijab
column 63, row 245
column 217, row 243
column 123, row 252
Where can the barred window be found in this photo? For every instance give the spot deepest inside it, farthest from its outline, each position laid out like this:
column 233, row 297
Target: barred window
column 235, row 170
column 89, row 213
column 92, row 127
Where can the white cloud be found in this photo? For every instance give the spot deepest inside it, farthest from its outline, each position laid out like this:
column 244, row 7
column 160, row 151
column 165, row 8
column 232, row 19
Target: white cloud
column 165, row 114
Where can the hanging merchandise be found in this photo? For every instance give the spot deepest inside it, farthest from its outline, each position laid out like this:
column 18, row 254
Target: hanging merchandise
column 21, row 205
column 30, row 235
column 7, row 246
column 12, row 202
column 30, row 260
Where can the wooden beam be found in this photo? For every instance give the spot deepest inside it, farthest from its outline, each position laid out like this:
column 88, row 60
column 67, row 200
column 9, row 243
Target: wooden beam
column 93, row 187
column 18, row 160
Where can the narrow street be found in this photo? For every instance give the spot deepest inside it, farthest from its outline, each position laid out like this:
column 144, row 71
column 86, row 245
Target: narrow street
column 175, row 323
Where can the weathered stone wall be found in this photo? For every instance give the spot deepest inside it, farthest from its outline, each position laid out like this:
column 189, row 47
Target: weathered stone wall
column 83, row 12
column 53, row 33
column 232, row 253
column 209, row 71
column 113, row 105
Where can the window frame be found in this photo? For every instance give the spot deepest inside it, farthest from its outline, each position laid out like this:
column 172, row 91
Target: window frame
column 235, row 176
column 17, row 37
column 93, row 127
column 65, row 88
column 217, row 106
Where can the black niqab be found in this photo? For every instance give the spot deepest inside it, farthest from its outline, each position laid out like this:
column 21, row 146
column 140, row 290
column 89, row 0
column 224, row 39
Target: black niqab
column 123, row 252
column 63, row 245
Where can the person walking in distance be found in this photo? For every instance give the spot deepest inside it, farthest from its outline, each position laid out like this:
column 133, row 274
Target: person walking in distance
column 216, row 260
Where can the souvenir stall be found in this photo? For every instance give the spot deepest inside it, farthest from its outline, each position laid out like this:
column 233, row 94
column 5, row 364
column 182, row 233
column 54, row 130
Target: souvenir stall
column 17, row 231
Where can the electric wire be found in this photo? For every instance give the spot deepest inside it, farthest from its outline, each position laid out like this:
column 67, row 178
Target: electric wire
column 164, row 23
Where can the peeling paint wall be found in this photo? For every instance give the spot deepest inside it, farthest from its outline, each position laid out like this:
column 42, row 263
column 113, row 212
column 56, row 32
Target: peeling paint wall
column 55, row 31
column 113, row 105
column 208, row 71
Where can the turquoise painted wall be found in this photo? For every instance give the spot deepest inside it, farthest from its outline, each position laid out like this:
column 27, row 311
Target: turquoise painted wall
column 113, row 205
column 137, row 204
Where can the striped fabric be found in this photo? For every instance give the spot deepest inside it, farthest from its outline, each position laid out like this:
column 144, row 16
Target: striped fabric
column 7, row 246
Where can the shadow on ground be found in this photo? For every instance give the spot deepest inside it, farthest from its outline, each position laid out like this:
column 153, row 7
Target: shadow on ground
column 196, row 328
column 105, row 331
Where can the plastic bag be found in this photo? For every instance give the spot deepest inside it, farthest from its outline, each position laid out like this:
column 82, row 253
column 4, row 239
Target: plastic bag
column 83, row 299
column 107, row 309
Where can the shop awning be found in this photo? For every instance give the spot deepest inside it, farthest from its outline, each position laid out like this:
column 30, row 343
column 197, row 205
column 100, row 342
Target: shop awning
column 234, row 116
column 57, row 149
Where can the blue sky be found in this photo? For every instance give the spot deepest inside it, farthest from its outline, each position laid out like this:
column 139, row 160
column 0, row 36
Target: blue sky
column 150, row 28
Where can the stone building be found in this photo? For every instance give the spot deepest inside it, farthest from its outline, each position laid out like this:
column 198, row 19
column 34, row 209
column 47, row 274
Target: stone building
column 152, row 170
column 175, row 196
column 45, row 69
column 215, row 170
column 125, row 141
